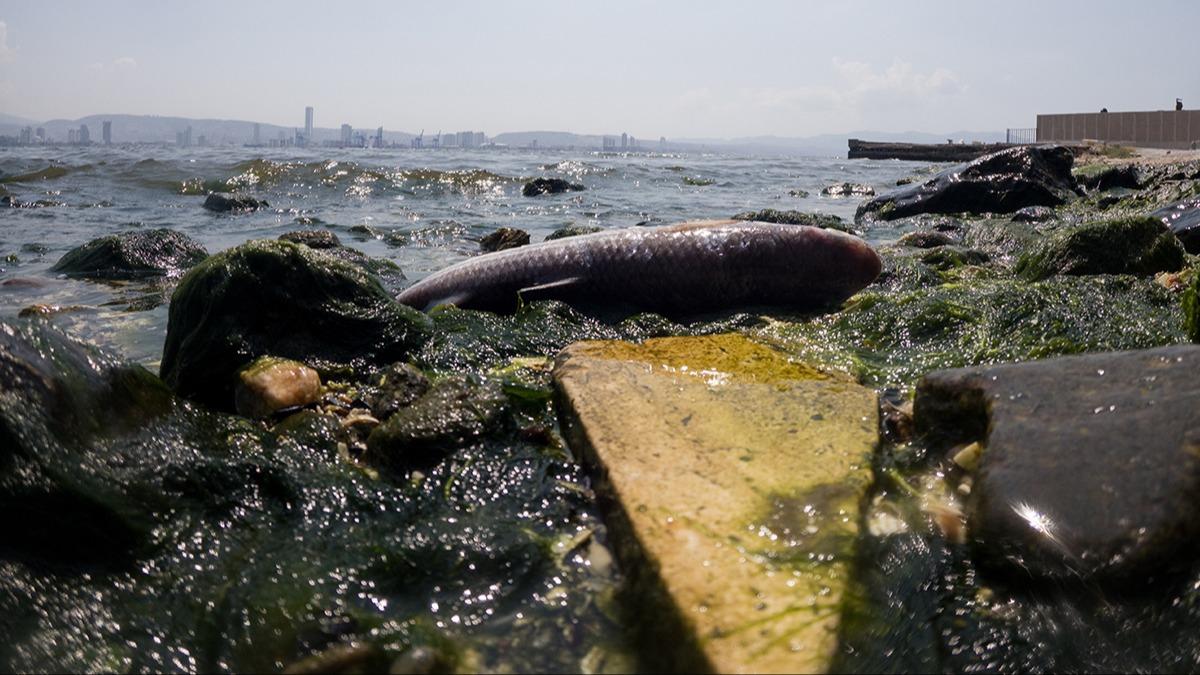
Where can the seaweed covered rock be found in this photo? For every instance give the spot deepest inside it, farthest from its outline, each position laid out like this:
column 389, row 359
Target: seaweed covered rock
column 553, row 186
column 454, row 412
column 792, row 217
column 893, row 338
column 503, row 238
column 393, row 388
column 278, row 298
column 1183, row 218
column 927, row 239
column 133, row 254
column 1001, row 182
column 1140, row 246
column 1118, row 428
column 227, row 202
column 320, row 239
column 58, row 398
column 572, row 231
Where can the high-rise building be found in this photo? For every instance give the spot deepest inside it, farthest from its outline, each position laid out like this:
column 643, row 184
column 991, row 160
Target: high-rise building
column 72, row 136
column 379, row 137
column 184, row 138
column 308, row 124
column 466, row 139
column 27, row 136
column 41, row 134
column 85, row 136
column 624, row 141
column 480, row 139
column 106, row 132
column 347, row 135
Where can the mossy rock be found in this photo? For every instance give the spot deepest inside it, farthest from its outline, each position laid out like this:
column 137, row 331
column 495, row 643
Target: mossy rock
column 1140, row 246
column 132, row 255
column 286, row 300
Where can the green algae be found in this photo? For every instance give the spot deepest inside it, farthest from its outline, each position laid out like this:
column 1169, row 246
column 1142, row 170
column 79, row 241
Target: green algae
column 891, row 339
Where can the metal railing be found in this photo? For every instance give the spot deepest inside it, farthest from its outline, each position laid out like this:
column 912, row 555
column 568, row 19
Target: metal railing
column 1021, row 135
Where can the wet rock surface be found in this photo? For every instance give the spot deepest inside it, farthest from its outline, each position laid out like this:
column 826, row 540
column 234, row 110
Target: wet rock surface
column 1090, row 467
column 1002, row 182
column 503, row 238
column 1120, row 176
column 453, row 413
column 794, row 218
column 1184, row 220
column 319, row 239
column 278, row 298
column 393, row 388
column 848, row 190
column 227, row 202
column 572, row 231
column 731, row 478
column 552, row 186
column 1141, row 246
column 132, row 255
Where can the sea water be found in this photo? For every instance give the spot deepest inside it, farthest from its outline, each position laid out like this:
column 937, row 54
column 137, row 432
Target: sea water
column 423, row 209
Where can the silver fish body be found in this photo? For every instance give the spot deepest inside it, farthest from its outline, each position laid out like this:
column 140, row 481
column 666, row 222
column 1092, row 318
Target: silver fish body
column 689, row 268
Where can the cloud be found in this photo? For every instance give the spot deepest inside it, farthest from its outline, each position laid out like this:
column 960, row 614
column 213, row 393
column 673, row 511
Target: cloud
column 6, row 53
column 899, row 78
column 122, row 63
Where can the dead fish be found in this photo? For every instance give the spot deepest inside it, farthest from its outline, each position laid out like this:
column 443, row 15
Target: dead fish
column 689, row 268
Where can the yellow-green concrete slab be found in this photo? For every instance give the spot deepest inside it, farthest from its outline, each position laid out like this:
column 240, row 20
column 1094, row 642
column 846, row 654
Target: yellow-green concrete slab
column 731, row 480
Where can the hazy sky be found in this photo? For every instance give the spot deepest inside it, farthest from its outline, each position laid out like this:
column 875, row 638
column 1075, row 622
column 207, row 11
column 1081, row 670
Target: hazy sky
column 650, row 68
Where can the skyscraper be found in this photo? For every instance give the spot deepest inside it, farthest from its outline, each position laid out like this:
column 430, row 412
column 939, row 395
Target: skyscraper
column 85, row 136
column 624, row 141
column 107, row 132
column 308, row 121
column 347, row 135
column 379, row 137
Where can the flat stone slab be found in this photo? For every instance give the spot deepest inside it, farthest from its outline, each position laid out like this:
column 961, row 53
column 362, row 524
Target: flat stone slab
column 732, row 481
column 1091, row 464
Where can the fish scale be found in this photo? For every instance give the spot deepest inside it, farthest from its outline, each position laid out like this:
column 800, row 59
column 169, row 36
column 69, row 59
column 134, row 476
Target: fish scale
column 688, row 268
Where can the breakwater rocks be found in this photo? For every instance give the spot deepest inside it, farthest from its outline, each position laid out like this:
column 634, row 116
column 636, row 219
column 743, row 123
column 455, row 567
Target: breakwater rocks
column 998, row 183
column 980, row 459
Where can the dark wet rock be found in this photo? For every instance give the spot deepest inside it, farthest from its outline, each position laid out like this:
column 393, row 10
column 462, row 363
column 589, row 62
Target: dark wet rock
column 319, row 239
column 791, row 217
column 313, row 431
column 228, row 202
column 1184, row 220
column 367, row 231
column 1002, row 239
column 388, row 272
column 1106, row 178
column 798, row 193
column 1140, row 246
column 393, row 388
column 572, row 231
column 540, row 186
column 271, row 384
column 848, row 190
column 131, row 255
column 1033, row 214
column 35, row 248
column 1001, row 182
column 1090, row 466
column 503, row 238
column 278, row 298
column 8, row 201
column 927, row 239
column 453, row 413
column 58, row 397
column 342, row 659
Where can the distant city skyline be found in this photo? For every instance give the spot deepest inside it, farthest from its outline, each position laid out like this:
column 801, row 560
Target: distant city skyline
column 649, row 69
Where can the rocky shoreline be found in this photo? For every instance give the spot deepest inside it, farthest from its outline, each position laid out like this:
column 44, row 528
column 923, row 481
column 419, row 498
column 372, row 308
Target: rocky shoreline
column 321, row 478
